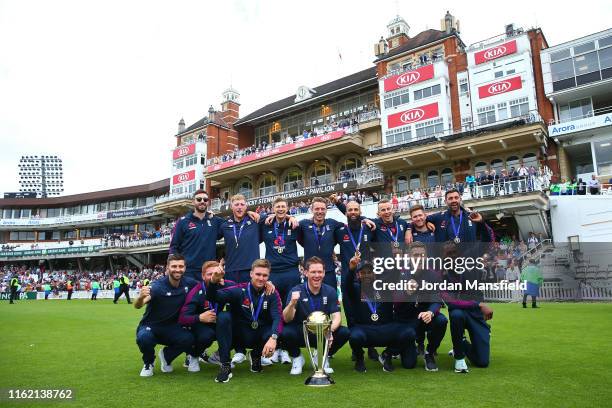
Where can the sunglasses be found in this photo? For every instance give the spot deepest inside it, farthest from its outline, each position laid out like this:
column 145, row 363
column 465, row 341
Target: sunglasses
column 200, row 199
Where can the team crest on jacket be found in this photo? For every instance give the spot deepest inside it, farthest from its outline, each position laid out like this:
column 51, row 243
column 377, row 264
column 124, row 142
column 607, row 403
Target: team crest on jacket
column 246, row 302
column 186, row 289
column 206, row 304
column 191, row 225
column 345, row 238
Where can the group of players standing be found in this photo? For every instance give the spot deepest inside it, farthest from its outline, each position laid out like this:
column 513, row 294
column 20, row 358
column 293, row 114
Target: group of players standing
column 246, row 302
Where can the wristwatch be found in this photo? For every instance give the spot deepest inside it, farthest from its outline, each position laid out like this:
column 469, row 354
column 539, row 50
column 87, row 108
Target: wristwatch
column 274, row 336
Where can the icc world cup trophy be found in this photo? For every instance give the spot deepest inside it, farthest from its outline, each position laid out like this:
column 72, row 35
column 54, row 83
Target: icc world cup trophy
column 318, row 324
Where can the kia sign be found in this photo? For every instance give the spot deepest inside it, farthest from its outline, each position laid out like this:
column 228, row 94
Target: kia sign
column 507, row 85
column 494, row 53
column 278, row 150
column 413, row 115
column 183, row 177
column 409, row 78
column 183, row 151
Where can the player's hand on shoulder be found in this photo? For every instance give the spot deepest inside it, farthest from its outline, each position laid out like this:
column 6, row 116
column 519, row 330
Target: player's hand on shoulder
column 269, row 219
column 370, row 224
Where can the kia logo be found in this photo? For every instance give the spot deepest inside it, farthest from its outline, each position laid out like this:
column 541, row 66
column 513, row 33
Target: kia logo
column 408, row 78
column 183, row 151
column 495, row 52
column 413, row 115
column 325, row 138
column 499, row 87
column 183, row 177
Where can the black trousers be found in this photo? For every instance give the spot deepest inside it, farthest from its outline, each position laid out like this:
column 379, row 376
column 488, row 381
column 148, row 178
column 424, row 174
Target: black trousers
column 123, row 289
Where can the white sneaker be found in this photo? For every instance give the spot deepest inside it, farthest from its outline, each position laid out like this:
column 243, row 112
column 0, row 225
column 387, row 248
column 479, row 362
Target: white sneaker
column 284, row 357
column 327, row 368
column 147, row 370
column 461, row 366
column 298, row 364
column 194, row 365
column 266, row 361
column 214, row 358
column 238, row 358
column 165, row 367
column 275, row 356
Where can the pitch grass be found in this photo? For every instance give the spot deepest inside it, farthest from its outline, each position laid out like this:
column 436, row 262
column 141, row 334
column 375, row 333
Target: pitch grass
column 556, row 356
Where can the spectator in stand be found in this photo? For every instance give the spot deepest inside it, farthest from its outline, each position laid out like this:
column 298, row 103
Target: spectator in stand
column 532, row 241
column 594, row 185
column 581, row 189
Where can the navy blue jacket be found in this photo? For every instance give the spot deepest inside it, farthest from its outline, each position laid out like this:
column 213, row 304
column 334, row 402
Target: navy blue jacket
column 240, row 257
column 237, row 296
column 288, row 259
column 360, row 310
column 166, row 301
column 325, row 301
column 196, row 304
column 196, row 240
column 347, row 250
column 469, row 231
column 323, row 247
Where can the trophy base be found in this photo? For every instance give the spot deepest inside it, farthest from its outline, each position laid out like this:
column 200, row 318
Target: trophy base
column 319, row 380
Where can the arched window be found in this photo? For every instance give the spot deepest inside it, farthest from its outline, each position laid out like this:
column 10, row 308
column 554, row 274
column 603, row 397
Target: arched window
column 480, row 167
column 512, row 161
column 351, row 164
column 432, row 179
column 530, row 159
column 497, row 165
column 402, row 184
column 293, row 180
column 245, row 188
column 321, row 175
column 267, row 185
column 415, row 182
column 446, row 177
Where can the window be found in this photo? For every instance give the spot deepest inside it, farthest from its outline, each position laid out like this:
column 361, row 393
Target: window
column 586, row 63
column 562, row 70
column 446, row 177
column 190, row 161
column 486, row 115
column 502, row 111
column 427, row 92
column 603, row 156
column 397, row 98
column 402, row 184
column 512, row 161
column 293, row 180
column 26, row 213
column 519, row 107
column 429, row 128
column 399, row 135
column 497, row 165
column 510, row 71
column 530, row 159
column 321, row 174
column 432, row 179
column 463, row 86
column 415, row 182
column 351, row 164
column 267, row 185
column 480, row 167
column 559, row 55
column 245, row 188
column 579, row 109
column 179, row 163
column 499, row 74
column 580, row 49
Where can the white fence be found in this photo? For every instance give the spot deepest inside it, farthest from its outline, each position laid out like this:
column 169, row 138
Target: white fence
column 86, row 294
column 557, row 291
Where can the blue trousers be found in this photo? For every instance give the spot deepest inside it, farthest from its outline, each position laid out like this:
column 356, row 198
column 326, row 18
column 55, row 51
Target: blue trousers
column 240, row 335
column 176, row 339
column 330, row 279
column 435, row 331
column 393, row 335
column 239, row 276
column 193, row 273
column 285, row 281
column 480, row 335
column 293, row 338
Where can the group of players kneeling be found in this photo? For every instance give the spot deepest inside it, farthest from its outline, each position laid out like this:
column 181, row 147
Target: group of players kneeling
column 188, row 316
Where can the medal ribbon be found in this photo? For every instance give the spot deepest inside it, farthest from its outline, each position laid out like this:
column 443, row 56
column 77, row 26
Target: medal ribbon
column 213, row 304
column 350, row 234
column 281, row 238
column 452, row 219
column 310, row 299
column 394, row 238
column 255, row 316
column 238, row 234
column 315, row 230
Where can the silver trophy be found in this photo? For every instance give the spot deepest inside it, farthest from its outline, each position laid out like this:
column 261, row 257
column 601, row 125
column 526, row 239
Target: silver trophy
column 319, row 324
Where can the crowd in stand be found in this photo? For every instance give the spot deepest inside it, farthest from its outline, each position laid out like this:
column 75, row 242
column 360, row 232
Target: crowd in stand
column 33, row 279
column 124, row 240
column 345, row 122
column 580, row 187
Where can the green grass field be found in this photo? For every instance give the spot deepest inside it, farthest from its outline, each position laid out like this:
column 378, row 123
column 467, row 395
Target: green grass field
column 556, row 356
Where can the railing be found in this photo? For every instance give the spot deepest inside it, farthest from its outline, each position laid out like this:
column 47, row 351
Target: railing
column 166, row 198
column 412, row 67
column 367, row 116
column 116, row 243
column 556, row 291
column 495, row 39
column 530, row 117
column 534, row 250
column 589, row 114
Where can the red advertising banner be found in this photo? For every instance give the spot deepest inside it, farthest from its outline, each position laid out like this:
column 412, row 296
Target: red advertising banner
column 183, row 177
column 500, row 87
column 183, row 151
column 493, row 53
column 413, row 115
column 277, row 150
column 409, row 78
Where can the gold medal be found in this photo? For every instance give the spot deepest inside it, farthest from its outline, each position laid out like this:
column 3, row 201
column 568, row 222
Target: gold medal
column 357, row 254
column 374, row 317
column 254, row 325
